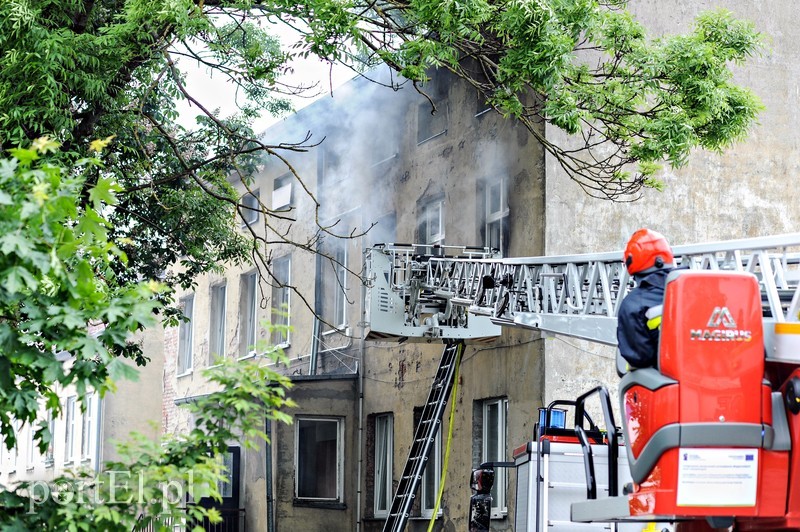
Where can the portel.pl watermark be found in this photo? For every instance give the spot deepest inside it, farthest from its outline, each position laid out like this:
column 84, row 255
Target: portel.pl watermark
column 112, row 487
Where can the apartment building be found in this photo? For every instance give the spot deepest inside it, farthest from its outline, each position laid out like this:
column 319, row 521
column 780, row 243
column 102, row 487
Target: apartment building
column 85, row 432
column 373, row 165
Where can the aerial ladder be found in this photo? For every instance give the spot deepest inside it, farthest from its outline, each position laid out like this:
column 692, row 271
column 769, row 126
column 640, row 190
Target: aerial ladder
column 720, row 409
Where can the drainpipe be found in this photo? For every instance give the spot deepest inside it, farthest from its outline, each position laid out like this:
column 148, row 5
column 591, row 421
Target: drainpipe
column 360, row 370
column 268, row 475
column 312, row 363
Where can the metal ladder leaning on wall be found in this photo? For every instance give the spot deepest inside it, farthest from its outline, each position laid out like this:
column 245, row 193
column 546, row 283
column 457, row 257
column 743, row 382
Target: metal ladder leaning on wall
column 424, row 436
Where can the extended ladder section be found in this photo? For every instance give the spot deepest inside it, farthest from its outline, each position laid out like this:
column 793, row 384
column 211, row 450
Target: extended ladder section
column 450, row 292
column 424, row 437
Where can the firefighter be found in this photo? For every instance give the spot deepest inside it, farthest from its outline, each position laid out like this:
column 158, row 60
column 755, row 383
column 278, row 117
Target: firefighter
column 648, row 258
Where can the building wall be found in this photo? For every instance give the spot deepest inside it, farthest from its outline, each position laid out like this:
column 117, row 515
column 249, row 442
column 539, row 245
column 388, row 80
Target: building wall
column 736, row 194
column 360, row 159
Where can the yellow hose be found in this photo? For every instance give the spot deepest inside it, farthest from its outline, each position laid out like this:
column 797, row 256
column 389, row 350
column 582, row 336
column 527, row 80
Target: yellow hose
column 453, row 398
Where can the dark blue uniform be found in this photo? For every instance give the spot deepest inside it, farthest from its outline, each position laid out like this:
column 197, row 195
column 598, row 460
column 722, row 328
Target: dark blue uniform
column 638, row 343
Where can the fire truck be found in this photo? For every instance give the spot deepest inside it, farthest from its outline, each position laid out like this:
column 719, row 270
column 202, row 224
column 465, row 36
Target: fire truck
column 707, row 437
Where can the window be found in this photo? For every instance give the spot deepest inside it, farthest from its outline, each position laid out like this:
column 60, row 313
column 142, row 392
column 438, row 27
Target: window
column 494, row 449
column 248, row 313
column 185, row 336
column 70, row 423
column 431, row 124
column 384, row 231
column 14, row 453
column 31, row 462
column 431, row 222
column 333, row 279
column 218, row 308
column 432, row 477
column 384, row 435
column 87, row 428
column 281, row 271
column 318, row 461
column 225, row 485
column 249, row 207
column 496, row 216
column 49, row 453
column 282, row 196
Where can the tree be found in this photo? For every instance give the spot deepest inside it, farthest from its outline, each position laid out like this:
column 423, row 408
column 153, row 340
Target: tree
column 82, row 242
column 59, row 295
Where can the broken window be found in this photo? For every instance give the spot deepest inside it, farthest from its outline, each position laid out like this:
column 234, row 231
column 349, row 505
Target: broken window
column 249, row 207
column 281, row 271
column 430, row 229
column 248, row 306
column 318, row 463
column 493, row 425
column 384, row 230
column 218, row 309
column 185, row 336
column 384, row 435
column 431, row 123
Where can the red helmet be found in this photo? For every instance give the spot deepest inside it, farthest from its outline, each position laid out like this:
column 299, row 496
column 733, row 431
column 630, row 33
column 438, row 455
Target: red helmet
column 647, row 249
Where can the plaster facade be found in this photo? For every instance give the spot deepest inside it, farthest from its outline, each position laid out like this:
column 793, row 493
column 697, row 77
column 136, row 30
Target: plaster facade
column 370, row 158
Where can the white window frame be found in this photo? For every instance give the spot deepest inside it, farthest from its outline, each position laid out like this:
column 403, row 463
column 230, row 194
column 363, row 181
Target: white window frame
column 282, row 310
column 185, row 361
column 250, row 207
column 88, row 436
column 217, row 321
column 299, row 420
column 14, row 453
column 50, row 452
column 32, row 454
column 433, row 467
column 496, row 216
column 334, row 284
column 282, row 197
column 70, row 426
column 248, row 310
column 434, row 211
column 499, row 503
column 384, row 454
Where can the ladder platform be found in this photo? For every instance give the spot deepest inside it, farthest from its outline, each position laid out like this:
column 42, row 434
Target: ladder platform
column 611, row 509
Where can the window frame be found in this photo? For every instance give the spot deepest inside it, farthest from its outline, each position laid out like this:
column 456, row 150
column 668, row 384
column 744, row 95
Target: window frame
column 250, row 207
column 333, row 277
column 88, row 440
column 432, row 210
column 499, row 496
column 283, row 316
column 384, row 440
column 339, row 466
column 499, row 217
column 281, row 186
column 50, row 452
column 218, row 308
column 248, row 310
column 70, row 426
column 435, row 460
column 32, row 454
column 185, row 358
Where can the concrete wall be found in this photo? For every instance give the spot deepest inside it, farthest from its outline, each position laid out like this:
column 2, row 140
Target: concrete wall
column 744, row 192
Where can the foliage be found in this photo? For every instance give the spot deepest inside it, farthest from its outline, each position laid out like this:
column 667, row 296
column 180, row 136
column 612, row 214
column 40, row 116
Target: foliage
column 59, row 293
column 584, row 66
column 152, row 479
